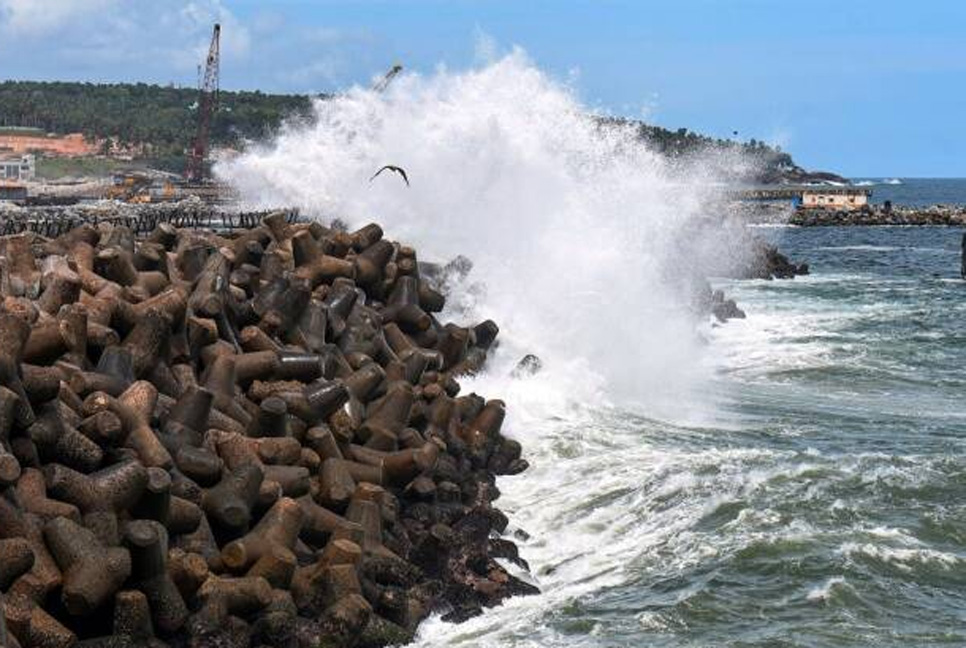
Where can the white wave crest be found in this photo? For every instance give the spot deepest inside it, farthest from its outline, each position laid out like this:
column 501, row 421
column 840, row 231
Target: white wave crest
column 576, row 231
column 824, row 592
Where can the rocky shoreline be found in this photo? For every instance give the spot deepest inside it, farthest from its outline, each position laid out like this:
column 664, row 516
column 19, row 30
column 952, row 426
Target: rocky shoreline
column 253, row 438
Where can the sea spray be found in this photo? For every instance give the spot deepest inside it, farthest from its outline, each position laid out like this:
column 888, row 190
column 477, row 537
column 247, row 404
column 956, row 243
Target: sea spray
column 574, row 228
column 584, row 244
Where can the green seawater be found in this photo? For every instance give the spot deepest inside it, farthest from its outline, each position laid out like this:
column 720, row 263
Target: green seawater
column 823, row 503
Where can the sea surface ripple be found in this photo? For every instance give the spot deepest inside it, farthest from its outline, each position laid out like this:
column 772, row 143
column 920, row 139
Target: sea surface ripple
column 822, row 504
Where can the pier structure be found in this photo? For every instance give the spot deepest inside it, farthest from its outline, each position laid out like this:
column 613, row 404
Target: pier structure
column 832, row 197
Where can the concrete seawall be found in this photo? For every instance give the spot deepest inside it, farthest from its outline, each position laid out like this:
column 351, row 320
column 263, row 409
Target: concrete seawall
column 949, row 215
column 783, row 213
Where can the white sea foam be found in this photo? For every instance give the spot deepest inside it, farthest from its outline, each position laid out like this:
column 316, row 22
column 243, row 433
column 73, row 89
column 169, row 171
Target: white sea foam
column 576, row 232
column 862, row 248
column 904, row 558
column 824, row 592
column 776, row 339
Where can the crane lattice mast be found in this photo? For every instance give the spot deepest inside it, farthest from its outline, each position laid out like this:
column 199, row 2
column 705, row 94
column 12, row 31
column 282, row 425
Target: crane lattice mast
column 383, row 83
column 207, row 102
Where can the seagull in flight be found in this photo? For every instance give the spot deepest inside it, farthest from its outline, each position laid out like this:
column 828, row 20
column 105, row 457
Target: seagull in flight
column 396, row 169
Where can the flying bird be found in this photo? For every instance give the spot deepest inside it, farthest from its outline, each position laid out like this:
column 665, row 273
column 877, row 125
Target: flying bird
column 398, row 170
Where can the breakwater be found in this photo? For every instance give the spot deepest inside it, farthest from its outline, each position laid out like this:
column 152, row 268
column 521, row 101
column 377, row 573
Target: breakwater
column 140, row 218
column 245, row 438
column 948, row 215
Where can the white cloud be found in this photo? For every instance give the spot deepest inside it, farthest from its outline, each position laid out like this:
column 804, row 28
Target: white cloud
column 316, row 74
column 164, row 41
column 133, row 38
column 267, row 23
column 326, row 57
column 198, row 16
column 321, row 36
column 39, row 17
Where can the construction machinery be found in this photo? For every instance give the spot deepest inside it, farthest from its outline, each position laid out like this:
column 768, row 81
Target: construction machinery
column 142, row 186
column 129, row 186
column 384, row 82
column 195, row 169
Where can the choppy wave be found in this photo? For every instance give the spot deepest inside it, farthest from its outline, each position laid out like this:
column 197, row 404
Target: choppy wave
column 872, row 183
column 862, row 248
column 902, row 557
column 826, row 591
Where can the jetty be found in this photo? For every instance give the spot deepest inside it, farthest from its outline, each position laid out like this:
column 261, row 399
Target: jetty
column 834, row 197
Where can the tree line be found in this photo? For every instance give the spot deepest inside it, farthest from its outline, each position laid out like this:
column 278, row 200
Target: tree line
column 162, row 120
column 765, row 163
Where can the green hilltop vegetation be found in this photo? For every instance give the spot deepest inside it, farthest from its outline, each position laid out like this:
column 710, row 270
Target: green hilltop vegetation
column 762, row 163
column 162, row 121
column 161, row 118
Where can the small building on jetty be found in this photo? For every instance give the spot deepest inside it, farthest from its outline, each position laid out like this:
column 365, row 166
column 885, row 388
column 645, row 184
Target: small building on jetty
column 831, row 197
column 838, row 198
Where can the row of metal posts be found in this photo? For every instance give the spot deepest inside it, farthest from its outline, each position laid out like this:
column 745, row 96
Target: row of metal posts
column 142, row 223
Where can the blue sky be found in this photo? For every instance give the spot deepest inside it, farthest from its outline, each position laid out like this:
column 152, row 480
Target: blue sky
column 865, row 88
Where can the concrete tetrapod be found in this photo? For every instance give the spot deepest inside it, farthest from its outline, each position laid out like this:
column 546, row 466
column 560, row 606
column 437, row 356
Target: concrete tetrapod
column 255, row 438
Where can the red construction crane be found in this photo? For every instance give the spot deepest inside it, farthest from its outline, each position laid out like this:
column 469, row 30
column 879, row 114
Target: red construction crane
column 195, row 170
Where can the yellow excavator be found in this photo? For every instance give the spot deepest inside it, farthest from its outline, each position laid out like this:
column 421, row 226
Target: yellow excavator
column 129, row 186
column 139, row 187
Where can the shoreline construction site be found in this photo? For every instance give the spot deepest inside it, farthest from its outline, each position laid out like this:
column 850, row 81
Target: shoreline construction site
column 133, row 185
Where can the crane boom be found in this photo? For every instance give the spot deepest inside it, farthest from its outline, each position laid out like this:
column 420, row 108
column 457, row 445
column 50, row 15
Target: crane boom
column 383, row 83
column 207, row 102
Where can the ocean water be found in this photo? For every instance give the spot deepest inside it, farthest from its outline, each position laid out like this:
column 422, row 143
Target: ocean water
column 916, row 192
column 823, row 504
column 795, row 478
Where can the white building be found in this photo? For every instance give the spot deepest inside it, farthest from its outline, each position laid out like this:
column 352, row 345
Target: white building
column 20, row 167
column 838, row 198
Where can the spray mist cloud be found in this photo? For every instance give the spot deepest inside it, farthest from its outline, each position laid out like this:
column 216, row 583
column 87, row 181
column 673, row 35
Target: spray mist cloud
column 572, row 227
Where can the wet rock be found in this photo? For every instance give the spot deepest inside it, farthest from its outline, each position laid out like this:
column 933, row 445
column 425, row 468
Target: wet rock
column 528, row 365
column 763, row 261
